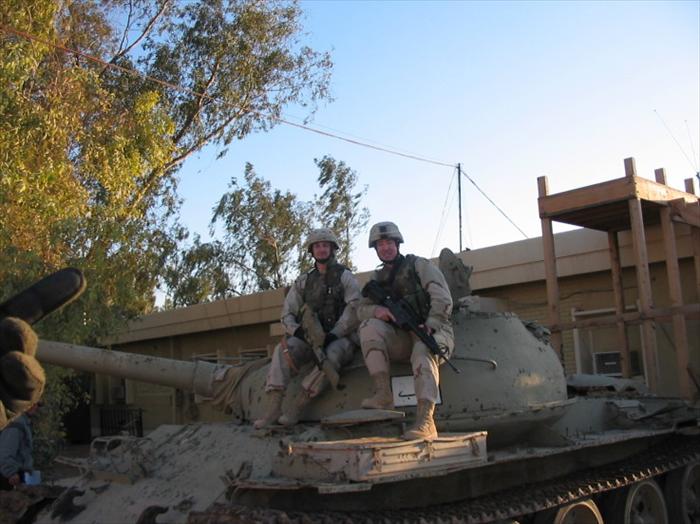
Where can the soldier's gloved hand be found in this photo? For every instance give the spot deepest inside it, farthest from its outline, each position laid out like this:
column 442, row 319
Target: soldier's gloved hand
column 330, row 338
column 22, row 378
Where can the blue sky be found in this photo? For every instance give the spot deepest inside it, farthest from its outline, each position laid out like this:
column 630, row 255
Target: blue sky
column 511, row 90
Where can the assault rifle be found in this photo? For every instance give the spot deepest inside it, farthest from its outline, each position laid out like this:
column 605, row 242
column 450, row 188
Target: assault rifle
column 315, row 336
column 405, row 318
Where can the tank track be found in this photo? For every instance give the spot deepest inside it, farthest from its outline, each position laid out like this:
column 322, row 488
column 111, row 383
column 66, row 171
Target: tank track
column 507, row 504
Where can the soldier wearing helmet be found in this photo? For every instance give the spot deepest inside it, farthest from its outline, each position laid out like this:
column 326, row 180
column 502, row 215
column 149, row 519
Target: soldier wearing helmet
column 422, row 286
column 332, row 293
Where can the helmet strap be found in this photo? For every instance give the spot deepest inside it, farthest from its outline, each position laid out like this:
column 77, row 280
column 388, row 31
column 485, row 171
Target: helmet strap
column 327, row 259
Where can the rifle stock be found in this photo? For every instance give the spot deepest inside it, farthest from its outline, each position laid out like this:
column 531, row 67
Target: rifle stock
column 405, row 318
column 315, row 335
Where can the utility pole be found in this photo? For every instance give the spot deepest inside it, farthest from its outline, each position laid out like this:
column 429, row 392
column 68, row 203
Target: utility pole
column 459, row 198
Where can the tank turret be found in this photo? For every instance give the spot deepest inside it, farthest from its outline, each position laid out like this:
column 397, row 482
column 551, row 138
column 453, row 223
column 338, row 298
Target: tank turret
column 509, row 377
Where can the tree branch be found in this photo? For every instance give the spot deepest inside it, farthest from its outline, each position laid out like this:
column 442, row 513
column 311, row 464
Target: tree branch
column 153, row 175
column 149, row 26
column 200, row 101
column 127, row 26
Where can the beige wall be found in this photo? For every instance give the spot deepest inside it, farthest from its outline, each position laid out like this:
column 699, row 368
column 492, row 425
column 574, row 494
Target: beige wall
column 164, row 405
column 512, row 272
column 593, row 292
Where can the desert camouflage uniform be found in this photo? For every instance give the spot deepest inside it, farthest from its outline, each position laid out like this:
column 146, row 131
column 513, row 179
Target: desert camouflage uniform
column 423, row 286
column 339, row 317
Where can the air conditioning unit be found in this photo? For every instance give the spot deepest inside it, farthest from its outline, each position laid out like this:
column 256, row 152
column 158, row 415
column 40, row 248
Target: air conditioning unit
column 607, row 363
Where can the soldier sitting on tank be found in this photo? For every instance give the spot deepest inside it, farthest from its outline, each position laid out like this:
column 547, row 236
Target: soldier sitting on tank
column 331, row 291
column 422, row 286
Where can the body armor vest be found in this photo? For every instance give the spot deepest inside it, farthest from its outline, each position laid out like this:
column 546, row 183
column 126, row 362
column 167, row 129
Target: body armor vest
column 325, row 295
column 402, row 282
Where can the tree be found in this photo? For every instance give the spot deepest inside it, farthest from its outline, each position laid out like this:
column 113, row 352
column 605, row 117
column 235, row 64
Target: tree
column 263, row 230
column 339, row 206
column 89, row 153
column 198, row 274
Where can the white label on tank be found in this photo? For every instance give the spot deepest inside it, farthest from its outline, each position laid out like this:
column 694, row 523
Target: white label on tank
column 404, row 391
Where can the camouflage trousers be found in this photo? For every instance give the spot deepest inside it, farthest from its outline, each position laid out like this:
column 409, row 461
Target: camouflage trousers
column 288, row 361
column 381, row 343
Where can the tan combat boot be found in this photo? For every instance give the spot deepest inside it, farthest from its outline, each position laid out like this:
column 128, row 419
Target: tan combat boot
column 382, row 398
column 291, row 415
column 274, row 409
column 424, row 427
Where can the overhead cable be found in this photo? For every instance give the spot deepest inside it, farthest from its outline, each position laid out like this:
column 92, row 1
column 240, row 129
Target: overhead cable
column 494, row 204
column 135, row 73
column 443, row 215
column 676, row 141
column 692, row 147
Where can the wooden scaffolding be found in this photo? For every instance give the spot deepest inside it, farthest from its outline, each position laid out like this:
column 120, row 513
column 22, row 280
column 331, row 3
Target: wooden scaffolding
column 629, row 203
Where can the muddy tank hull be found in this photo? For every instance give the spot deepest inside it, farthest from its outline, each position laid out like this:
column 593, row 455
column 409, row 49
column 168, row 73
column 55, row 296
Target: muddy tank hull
column 210, row 469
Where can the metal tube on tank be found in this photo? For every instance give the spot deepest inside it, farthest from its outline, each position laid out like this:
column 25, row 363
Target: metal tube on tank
column 190, row 376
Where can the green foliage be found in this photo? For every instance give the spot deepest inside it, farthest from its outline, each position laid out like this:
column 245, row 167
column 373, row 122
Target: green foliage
column 89, row 154
column 338, row 207
column 198, row 274
column 263, row 233
column 63, row 394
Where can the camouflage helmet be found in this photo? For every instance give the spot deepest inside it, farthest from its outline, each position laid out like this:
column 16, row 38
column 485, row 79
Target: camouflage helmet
column 322, row 234
column 384, row 230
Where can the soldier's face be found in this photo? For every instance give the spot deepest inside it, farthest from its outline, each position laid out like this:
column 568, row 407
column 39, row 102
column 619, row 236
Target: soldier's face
column 321, row 250
column 386, row 249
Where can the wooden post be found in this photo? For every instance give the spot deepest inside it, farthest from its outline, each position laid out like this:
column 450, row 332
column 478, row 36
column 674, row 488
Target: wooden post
column 643, row 282
column 695, row 240
column 680, row 334
column 550, row 272
column 618, row 292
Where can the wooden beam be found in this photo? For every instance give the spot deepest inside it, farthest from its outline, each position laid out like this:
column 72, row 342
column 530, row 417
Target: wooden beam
column 618, row 190
column 618, row 292
column 550, row 272
column 695, row 238
column 644, row 287
column 660, row 193
column 680, row 334
column 634, row 317
column 685, row 213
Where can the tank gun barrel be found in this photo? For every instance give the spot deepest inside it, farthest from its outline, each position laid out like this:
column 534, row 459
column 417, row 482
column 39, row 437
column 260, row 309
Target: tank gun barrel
column 197, row 377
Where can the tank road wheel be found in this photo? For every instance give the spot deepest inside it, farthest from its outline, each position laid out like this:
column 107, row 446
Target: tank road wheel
column 640, row 503
column 683, row 494
column 580, row 512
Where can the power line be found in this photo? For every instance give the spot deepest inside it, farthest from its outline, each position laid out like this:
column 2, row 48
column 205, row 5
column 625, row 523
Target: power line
column 494, row 204
column 138, row 74
column 692, row 147
column 443, row 215
column 169, row 85
column 676, row 141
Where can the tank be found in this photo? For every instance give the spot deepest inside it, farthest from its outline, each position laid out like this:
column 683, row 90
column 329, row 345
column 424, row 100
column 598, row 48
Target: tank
column 518, row 443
